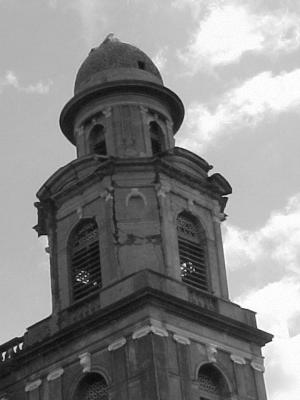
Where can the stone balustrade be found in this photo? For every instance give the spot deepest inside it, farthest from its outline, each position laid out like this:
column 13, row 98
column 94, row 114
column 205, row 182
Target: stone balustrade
column 9, row 349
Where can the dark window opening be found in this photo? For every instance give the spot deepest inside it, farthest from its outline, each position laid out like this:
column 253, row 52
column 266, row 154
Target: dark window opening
column 212, row 384
column 156, row 137
column 85, row 260
column 141, row 64
column 97, row 140
column 92, row 387
column 192, row 252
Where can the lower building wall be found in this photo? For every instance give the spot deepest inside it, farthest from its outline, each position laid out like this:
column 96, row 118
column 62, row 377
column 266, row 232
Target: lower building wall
column 146, row 360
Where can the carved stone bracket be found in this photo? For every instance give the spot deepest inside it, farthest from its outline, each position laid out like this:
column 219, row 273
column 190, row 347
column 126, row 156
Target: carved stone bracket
column 79, row 212
column 150, row 329
column 159, row 331
column 33, row 385
column 238, row 359
column 55, row 374
column 141, row 332
column 212, row 351
column 181, row 339
column 117, row 344
column 258, row 365
column 162, row 189
column 107, row 194
column 219, row 218
column 107, row 112
column 85, row 361
column 191, row 205
column 4, row 396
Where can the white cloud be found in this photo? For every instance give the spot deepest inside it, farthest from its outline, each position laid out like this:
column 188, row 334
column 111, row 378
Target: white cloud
column 228, row 29
column 93, row 18
column 11, row 80
column 246, row 105
column 160, row 58
column 278, row 241
column 276, row 304
column 256, row 256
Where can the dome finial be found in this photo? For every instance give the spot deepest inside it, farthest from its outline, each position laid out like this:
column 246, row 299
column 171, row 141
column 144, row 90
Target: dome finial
column 111, row 38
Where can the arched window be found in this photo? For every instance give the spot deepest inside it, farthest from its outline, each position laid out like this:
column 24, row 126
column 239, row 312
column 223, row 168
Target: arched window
column 92, row 387
column 192, row 251
column 212, row 385
column 97, row 140
column 85, row 260
column 156, row 137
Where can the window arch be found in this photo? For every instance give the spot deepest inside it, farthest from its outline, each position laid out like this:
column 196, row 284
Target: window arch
column 212, row 384
column 85, row 260
column 192, row 251
column 92, row 387
column 156, row 137
column 97, row 140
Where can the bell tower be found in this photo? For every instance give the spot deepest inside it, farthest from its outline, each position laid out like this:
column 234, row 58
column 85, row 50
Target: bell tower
column 140, row 305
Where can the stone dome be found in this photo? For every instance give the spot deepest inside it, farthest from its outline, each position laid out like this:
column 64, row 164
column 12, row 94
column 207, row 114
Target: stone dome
column 115, row 61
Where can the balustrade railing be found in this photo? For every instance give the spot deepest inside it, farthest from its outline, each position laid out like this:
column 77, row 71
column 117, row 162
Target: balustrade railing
column 9, row 349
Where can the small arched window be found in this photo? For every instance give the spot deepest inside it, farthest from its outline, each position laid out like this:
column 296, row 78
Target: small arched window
column 85, row 260
column 156, row 137
column 97, row 140
column 192, row 251
column 92, row 387
column 212, row 384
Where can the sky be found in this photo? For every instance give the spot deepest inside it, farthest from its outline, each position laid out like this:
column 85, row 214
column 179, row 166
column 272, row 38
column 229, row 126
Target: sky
column 236, row 67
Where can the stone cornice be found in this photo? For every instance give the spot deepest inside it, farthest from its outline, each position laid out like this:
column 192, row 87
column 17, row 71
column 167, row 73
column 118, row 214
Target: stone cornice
column 138, row 300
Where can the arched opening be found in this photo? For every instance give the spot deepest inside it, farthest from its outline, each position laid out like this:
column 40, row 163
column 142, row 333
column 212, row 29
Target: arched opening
column 84, row 257
column 156, row 137
column 97, row 140
column 212, row 384
column 192, row 251
column 92, row 387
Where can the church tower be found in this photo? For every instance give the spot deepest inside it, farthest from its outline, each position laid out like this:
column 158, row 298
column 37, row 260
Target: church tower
column 140, row 306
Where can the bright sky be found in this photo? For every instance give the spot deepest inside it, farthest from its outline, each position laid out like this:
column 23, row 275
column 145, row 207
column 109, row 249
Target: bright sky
column 236, row 66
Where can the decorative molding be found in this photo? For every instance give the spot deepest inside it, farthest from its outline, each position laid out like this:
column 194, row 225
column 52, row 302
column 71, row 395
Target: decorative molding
column 191, row 205
column 85, row 361
column 142, row 332
column 219, row 218
column 107, row 194
column 135, row 192
column 80, row 130
column 162, row 189
column 159, row 331
column 107, row 111
column 238, row 359
column 258, row 365
column 181, row 339
column 55, row 374
column 79, row 212
column 169, row 124
column 32, row 385
column 117, row 344
column 144, row 109
column 212, row 351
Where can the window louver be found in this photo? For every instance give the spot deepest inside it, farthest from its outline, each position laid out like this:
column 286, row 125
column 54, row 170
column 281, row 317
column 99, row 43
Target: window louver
column 192, row 253
column 92, row 387
column 85, row 261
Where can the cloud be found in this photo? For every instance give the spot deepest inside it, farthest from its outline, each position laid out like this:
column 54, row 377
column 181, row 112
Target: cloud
column 11, row 80
column 278, row 241
column 227, row 30
column 92, row 16
column 160, row 58
column 244, row 106
column 266, row 264
column 276, row 305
